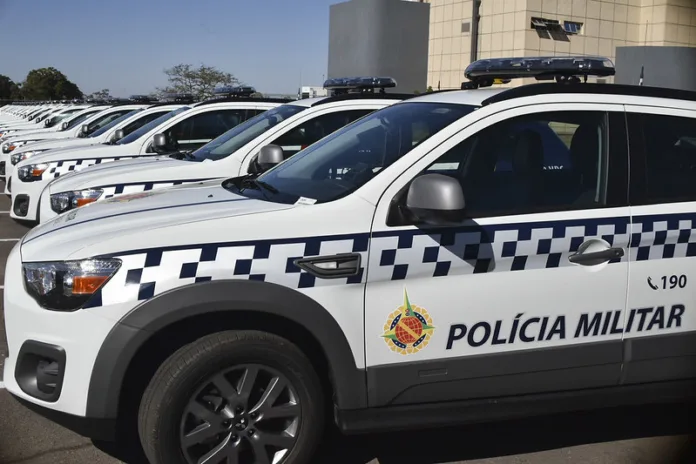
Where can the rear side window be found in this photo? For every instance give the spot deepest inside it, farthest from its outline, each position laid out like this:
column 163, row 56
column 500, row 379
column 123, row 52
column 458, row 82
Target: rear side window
column 670, row 157
column 140, row 122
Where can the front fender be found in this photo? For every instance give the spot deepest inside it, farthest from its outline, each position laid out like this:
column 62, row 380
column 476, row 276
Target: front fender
column 155, row 314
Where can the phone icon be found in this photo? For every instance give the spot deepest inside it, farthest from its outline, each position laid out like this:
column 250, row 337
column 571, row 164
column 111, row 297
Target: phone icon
column 652, row 285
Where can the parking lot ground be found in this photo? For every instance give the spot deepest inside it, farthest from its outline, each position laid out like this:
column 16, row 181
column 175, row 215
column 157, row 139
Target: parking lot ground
column 638, row 435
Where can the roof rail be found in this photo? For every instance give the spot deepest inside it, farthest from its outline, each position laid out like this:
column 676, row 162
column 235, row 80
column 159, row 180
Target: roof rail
column 344, row 85
column 366, row 96
column 606, row 89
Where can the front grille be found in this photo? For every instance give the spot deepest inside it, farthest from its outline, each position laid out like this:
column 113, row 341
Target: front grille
column 2, row 168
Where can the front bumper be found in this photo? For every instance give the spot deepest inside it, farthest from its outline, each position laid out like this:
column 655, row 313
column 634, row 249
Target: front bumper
column 25, row 199
column 37, row 337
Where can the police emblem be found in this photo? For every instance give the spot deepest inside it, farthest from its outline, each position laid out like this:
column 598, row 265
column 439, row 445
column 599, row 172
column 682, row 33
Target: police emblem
column 408, row 329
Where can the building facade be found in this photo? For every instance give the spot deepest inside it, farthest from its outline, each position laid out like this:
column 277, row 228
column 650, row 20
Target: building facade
column 549, row 27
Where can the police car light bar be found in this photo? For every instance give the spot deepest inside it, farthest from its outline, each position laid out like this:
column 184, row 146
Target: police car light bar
column 483, row 73
column 142, row 98
column 234, row 91
column 177, row 97
column 359, row 84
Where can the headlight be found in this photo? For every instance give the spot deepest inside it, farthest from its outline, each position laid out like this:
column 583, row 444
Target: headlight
column 31, row 172
column 65, row 201
column 16, row 158
column 67, row 285
column 7, row 147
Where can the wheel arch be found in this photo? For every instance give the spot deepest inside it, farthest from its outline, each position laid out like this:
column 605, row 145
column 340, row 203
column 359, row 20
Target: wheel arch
column 143, row 323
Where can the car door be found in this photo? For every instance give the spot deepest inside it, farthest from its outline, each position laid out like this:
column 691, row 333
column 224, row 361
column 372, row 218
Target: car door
column 526, row 295
column 660, row 335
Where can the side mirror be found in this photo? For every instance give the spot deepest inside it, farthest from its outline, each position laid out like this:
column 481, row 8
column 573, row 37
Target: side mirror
column 269, row 156
column 118, row 135
column 436, row 199
column 64, row 126
column 84, row 129
column 160, row 144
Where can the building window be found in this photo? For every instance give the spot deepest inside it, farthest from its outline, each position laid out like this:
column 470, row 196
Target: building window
column 572, row 27
column 466, row 27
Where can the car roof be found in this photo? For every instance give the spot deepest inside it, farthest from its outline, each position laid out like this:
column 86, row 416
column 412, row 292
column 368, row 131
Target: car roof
column 474, row 97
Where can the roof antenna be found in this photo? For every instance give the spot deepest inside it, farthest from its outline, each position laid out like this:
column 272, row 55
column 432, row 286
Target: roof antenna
column 642, row 66
column 642, row 75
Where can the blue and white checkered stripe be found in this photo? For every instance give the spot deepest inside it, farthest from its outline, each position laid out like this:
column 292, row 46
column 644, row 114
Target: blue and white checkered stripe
column 398, row 255
column 151, row 272
column 58, row 168
column 118, row 189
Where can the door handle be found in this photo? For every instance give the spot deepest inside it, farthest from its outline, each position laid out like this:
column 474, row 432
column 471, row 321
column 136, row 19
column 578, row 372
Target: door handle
column 331, row 267
column 597, row 257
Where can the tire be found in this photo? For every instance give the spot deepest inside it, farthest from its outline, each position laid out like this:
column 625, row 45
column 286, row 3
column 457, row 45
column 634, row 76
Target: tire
column 196, row 376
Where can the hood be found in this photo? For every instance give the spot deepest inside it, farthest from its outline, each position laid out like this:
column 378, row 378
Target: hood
column 70, row 232
column 77, row 153
column 127, row 171
column 53, row 144
column 42, row 135
column 28, row 134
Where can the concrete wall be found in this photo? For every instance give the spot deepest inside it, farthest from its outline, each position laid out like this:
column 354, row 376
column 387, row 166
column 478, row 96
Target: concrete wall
column 660, row 68
column 380, row 38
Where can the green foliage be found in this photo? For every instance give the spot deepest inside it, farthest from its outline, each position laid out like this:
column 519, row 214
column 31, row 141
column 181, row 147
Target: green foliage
column 49, row 84
column 102, row 94
column 200, row 81
column 8, row 89
column 430, row 89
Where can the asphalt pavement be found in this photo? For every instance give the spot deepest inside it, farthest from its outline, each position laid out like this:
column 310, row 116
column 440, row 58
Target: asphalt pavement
column 638, row 435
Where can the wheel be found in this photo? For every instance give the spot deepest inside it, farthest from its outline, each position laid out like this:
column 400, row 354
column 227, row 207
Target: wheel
column 236, row 397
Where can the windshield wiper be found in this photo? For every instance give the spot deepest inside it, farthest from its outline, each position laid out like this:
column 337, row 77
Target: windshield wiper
column 252, row 182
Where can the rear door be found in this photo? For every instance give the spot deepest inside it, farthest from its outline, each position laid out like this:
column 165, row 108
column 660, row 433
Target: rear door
column 660, row 324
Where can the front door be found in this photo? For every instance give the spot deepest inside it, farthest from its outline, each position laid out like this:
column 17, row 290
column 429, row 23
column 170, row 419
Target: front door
column 528, row 294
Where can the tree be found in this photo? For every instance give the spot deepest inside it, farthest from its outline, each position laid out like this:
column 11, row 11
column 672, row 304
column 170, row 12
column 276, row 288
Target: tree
column 8, row 89
column 102, row 94
column 200, row 81
column 49, row 84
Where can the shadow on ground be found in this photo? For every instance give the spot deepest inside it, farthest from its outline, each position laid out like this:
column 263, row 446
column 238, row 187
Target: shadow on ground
column 486, row 441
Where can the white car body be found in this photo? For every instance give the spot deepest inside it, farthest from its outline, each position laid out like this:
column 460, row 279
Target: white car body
column 142, row 175
column 64, row 161
column 507, row 313
column 65, row 143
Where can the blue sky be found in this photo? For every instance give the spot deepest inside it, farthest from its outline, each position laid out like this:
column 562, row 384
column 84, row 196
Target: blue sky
column 124, row 45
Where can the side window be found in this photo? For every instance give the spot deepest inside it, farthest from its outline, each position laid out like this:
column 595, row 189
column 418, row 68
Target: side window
column 138, row 123
column 196, row 131
column 106, row 119
column 316, row 129
column 533, row 163
column 670, row 158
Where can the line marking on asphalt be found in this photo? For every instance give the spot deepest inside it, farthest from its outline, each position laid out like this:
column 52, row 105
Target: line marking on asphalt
column 2, row 385
column 2, row 287
column 4, row 212
column 10, row 239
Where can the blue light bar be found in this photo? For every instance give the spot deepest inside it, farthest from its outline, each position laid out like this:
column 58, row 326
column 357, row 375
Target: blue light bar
column 359, row 83
column 141, row 98
column 484, row 72
column 177, row 97
column 234, row 91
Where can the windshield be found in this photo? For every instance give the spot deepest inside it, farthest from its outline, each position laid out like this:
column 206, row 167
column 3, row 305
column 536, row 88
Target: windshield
column 347, row 159
column 237, row 137
column 99, row 132
column 78, row 119
column 135, row 135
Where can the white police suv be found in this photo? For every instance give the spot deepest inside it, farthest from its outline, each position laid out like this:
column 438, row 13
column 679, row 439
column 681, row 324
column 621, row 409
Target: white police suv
column 418, row 267
column 80, row 124
column 108, row 134
column 284, row 131
column 183, row 130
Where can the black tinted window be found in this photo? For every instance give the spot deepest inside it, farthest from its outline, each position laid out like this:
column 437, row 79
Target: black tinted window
column 316, row 129
column 670, row 158
column 540, row 162
column 204, row 127
column 140, row 122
